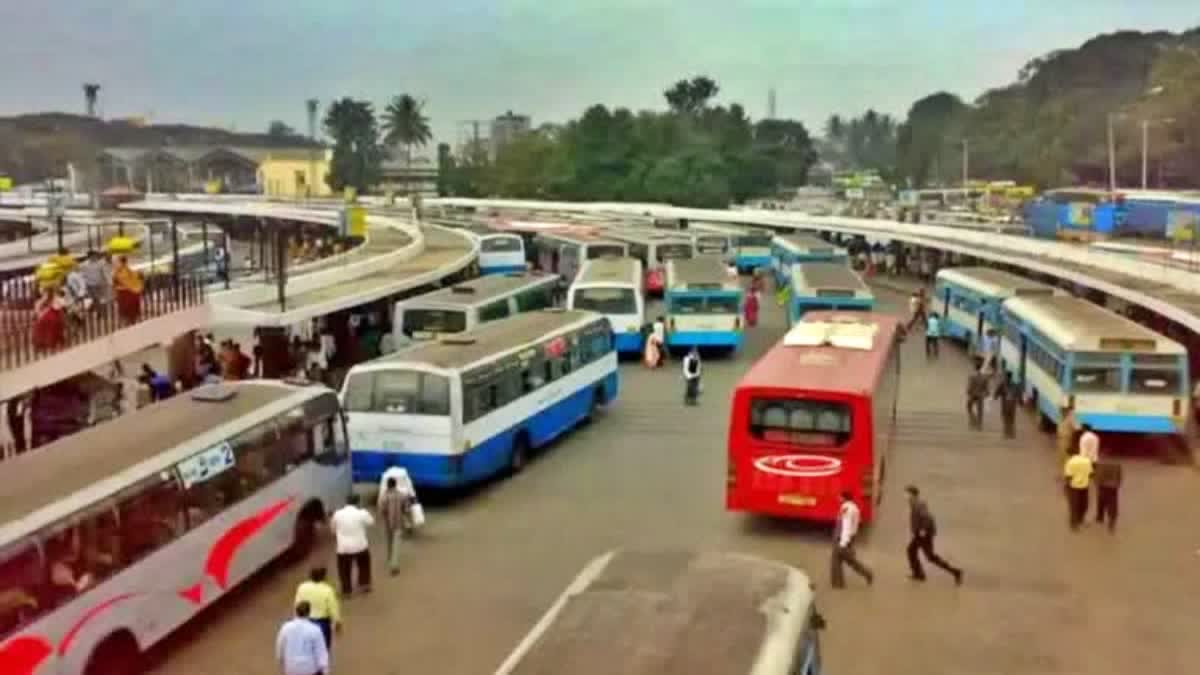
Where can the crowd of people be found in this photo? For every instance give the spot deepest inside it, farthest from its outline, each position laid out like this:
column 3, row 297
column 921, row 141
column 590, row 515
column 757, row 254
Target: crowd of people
column 81, row 289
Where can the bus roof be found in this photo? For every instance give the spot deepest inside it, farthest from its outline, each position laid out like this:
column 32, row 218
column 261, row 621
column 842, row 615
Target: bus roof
column 480, row 291
column 829, row 275
column 671, row 613
column 805, row 242
column 702, row 271
column 86, row 460
column 486, row 340
column 578, row 237
column 610, row 271
column 643, row 236
column 1081, row 325
column 826, row 368
column 994, row 283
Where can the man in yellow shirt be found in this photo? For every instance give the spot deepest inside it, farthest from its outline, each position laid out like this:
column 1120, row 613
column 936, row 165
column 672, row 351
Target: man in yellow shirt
column 323, row 603
column 1077, row 475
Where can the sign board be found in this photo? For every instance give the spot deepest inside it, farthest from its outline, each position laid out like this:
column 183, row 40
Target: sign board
column 205, row 465
column 6, row 183
column 356, row 218
column 212, row 187
column 1079, row 214
column 1182, row 225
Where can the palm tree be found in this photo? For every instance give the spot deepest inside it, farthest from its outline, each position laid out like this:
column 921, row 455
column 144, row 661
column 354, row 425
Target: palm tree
column 405, row 124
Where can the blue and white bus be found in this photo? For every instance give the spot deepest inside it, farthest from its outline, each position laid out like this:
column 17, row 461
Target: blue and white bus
column 563, row 251
column 1117, row 375
column 500, row 252
column 466, row 305
column 469, row 406
column 826, row 285
column 613, row 287
column 969, row 298
column 704, row 304
column 789, row 249
column 748, row 248
column 654, row 248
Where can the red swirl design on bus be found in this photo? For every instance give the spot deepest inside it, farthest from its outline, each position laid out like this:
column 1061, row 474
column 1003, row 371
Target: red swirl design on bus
column 23, row 655
column 799, row 466
column 88, row 616
column 221, row 555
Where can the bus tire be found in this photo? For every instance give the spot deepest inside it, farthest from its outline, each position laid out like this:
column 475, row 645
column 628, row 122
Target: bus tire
column 304, row 536
column 597, row 405
column 118, row 654
column 518, row 456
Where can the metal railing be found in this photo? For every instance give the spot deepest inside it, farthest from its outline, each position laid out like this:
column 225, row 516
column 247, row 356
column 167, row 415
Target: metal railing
column 162, row 294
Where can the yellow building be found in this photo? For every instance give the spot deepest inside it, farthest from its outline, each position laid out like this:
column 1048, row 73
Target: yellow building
column 294, row 174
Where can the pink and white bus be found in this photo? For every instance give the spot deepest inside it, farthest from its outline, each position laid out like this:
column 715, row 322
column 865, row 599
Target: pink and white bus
column 112, row 538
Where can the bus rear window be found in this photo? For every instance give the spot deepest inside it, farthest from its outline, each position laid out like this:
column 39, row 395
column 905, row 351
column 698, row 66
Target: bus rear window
column 600, row 250
column 433, row 321
column 501, row 245
column 754, row 241
column 398, row 392
column 698, row 304
column 673, row 252
column 606, row 300
column 800, row 422
column 1164, row 382
column 1095, row 379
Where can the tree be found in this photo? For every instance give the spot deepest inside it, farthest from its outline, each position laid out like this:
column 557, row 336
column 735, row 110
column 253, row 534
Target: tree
column 357, row 154
column 279, row 129
column 932, row 123
column 405, row 124
column 787, row 145
column 691, row 96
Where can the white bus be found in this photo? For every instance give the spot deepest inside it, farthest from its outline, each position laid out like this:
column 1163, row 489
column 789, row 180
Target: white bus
column 466, row 305
column 654, row 249
column 826, row 285
column 114, row 537
column 499, row 252
column 704, row 304
column 613, row 287
column 467, row 407
column 563, row 252
column 668, row 612
column 969, row 298
column 1117, row 375
column 748, row 248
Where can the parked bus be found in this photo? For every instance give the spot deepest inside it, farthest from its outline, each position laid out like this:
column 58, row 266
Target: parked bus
column 814, row 417
column 704, row 304
column 789, row 249
column 468, row 304
column 116, row 536
column 969, row 298
column 500, row 252
column 677, row 612
column 749, row 248
column 613, row 287
column 564, row 252
column 826, row 285
column 472, row 405
column 1068, row 353
column 654, row 249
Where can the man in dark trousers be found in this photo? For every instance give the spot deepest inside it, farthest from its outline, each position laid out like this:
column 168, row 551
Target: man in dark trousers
column 977, row 387
column 1009, row 394
column 1107, row 478
column 924, row 529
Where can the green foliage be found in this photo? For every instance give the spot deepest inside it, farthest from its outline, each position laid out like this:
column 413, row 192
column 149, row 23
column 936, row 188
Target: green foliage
column 696, row 154
column 279, row 129
column 932, row 124
column 405, row 123
column 866, row 142
column 357, row 154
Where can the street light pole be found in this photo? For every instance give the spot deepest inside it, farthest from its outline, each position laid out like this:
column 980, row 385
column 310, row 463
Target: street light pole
column 1145, row 149
column 1112, row 157
column 966, row 161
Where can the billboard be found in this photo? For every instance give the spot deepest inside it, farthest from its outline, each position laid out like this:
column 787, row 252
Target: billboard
column 1079, row 214
column 6, row 183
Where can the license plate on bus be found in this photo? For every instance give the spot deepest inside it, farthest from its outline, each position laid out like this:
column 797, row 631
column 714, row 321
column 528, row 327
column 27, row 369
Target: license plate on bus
column 798, row 500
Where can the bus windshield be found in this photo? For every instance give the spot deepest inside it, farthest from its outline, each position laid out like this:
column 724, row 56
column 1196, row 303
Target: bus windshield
column 673, row 252
column 434, row 321
column 800, row 422
column 702, row 304
column 606, row 300
column 402, row 392
column 601, row 250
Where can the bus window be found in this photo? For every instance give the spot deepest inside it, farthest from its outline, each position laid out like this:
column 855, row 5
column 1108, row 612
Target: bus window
column 212, row 495
column 673, row 252
column 800, row 422
column 1144, row 381
column 534, row 299
column 435, row 395
column 500, row 245
column 722, row 305
column 606, row 300
column 601, row 250
column 21, row 575
column 151, row 516
column 493, row 311
column 433, row 321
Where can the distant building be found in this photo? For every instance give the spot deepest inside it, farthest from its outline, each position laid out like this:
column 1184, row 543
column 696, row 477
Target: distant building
column 294, row 174
column 505, row 128
column 284, row 172
column 404, row 177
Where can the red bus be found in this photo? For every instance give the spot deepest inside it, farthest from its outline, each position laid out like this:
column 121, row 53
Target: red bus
column 814, row 416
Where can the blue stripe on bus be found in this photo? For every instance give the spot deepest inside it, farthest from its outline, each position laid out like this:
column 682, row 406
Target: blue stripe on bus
column 955, row 330
column 747, row 263
column 500, row 269
column 705, row 338
column 628, row 342
column 1147, row 424
column 488, row 457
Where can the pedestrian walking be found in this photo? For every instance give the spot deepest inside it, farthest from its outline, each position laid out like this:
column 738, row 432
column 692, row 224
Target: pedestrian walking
column 1009, row 394
column 1077, row 476
column 845, row 535
column 751, row 309
column 1066, row 433
column 977, row 386
column 916, row 309
column 1108, row 477
column 924, row 529
column 393, row 511
column 933, row 335
column 350, row 525
column 989, row 344
column 691, row 377
column 322, row 600
column 300, row 648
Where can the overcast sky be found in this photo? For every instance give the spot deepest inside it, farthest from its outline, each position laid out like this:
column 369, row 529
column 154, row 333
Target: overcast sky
column 245, row 62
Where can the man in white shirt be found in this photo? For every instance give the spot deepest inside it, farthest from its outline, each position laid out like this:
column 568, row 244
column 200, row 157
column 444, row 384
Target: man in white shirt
column 300, row 646
column 350, row 524
column 691, row 377
column 844, row 534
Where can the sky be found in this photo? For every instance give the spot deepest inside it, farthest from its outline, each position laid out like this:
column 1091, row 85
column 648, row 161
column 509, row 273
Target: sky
column 243, row 63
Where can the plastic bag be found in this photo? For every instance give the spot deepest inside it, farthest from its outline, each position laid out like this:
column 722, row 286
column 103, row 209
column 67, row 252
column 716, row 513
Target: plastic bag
column 417, row 514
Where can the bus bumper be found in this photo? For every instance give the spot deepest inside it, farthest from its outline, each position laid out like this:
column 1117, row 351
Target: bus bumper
column 628, row 343
column 1142, row 424
column 732, row 339
column 501, row 269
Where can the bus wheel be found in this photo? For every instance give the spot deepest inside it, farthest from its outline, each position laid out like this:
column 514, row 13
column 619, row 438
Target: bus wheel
column 304, row 538
column 597, row 405
column 117, row 655
column 519, row 455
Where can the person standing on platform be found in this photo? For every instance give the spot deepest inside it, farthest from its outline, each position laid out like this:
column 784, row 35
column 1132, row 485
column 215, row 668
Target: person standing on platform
column 322, row 600
column 933, row 335
column 1009, row 394
column 924, row 529
column 1077, row 476
column 977, row 386
column 691, row 377
column 350, row 525
column 1108, row 476
column 300, row 648
column 845, row 534
column 393, row 511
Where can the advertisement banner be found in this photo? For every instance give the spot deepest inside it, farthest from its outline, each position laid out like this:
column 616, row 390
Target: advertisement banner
column 1182, row 225
column 356, row 219
column 6, row 183
column 1080, row 214
column 212, row 187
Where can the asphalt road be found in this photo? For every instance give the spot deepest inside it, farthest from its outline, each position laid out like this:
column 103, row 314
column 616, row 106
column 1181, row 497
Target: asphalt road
column 1036, row 599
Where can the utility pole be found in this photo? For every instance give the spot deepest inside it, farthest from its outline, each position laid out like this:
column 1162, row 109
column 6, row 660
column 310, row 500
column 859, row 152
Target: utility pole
column 310, row 185
column 1146, row 146
column 966, row 161
column 1112, row 156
